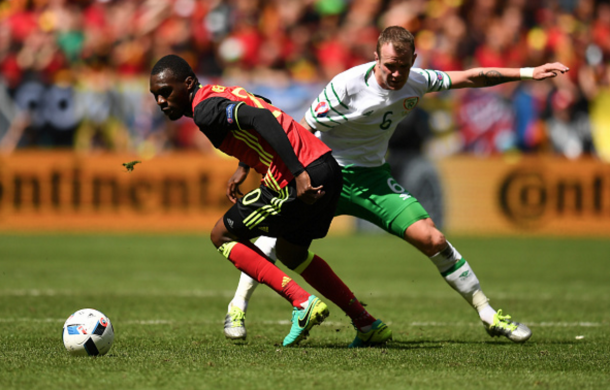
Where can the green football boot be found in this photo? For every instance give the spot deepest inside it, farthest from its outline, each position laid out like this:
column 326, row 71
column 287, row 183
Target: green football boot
column 378, row 334
column 304, row 319
column 504, row 326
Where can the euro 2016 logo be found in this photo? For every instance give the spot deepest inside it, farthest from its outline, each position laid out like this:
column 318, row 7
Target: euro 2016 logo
column 322, row 109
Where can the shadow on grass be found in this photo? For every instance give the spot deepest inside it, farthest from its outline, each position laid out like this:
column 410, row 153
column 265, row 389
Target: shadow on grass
column 499, row 342
column 406, row 344
column 496, row 342
column 429, row 344
column 393, row 345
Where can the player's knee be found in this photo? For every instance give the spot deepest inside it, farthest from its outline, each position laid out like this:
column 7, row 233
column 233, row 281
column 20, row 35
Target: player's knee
column 291, row 257
column 433, row 243
column 438, row 242
column 216, row 239
column 219, row 234
column 290, row 263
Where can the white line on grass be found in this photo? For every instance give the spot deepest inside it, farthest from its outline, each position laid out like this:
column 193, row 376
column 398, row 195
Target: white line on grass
column 268, row 293
column 327, row 323
column 137, row 293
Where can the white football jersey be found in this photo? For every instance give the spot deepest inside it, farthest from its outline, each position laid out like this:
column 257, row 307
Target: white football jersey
column 355, row 117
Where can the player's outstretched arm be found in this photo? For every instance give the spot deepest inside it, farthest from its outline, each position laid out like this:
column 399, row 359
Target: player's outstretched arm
column 487, row 77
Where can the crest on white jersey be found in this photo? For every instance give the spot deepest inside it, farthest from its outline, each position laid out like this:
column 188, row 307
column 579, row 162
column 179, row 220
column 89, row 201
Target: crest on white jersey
column 410, row 103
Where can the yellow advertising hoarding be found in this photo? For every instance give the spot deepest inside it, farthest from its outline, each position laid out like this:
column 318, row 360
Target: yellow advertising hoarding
column 185, row 192
column 63, row 191
column 530, row 195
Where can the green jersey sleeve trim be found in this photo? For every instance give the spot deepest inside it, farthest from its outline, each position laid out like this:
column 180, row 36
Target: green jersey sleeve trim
column 366, row 75
column 336, row 95
column 331, row 106
column 429, row 79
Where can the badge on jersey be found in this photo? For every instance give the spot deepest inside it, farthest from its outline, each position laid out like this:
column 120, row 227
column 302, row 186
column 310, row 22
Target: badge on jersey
column 439, row 75
column 322, row 109
column 410, row 103
column 231, row 113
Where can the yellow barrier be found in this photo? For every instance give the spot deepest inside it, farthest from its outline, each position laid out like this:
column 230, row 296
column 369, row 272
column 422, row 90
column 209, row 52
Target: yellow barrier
column 64, row 191
column 185, row 192
column 526, row 195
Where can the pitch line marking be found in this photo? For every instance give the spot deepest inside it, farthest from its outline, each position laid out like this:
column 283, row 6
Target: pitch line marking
column 269, row 293
column 583, row 324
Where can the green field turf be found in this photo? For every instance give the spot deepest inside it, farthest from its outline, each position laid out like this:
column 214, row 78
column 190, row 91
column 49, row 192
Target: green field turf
column 167, row 297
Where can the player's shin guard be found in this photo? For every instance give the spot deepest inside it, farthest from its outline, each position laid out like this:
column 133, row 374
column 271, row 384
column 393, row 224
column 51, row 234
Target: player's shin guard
column 249, row 259
column 457, row 273
column 247, row 285
column 320, row 276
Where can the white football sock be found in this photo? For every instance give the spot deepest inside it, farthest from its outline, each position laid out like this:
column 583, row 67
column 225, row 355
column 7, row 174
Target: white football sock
column 461, row 278
column 486, row 312
column 446, row 259
column 267, row 246
column 247, row 285
column 238, row 302
column 244, row 291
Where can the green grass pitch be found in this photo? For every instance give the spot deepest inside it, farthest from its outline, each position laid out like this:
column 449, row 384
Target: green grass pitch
column 167, row 297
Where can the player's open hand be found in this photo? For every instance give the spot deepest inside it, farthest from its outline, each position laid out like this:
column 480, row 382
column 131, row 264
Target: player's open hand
column 549, row 70
column 305, row 191
column 238, row 178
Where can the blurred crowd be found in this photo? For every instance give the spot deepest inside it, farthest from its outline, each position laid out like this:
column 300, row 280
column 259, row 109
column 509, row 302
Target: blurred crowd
column 74, row 73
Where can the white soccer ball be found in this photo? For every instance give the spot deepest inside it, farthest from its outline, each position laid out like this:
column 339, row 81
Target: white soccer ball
column 88, row 332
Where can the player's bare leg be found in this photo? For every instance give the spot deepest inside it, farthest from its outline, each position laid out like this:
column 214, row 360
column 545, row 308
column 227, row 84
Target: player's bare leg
column 459, row 275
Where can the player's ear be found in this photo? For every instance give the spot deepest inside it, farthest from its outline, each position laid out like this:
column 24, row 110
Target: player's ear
column 376, row 56
column 191, row 83
column 414, row 57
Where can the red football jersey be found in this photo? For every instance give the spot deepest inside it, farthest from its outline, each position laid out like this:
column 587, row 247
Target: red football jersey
column 249, row 146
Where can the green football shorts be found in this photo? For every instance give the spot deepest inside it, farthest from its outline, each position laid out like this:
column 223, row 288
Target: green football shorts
column 374, row 195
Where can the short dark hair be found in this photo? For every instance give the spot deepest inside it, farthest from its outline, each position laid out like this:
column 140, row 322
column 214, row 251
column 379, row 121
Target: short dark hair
column 175, row 64
column 399, row 37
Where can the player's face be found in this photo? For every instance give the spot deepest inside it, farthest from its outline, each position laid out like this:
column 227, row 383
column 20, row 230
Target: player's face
column 392, row 70
column 171, row 95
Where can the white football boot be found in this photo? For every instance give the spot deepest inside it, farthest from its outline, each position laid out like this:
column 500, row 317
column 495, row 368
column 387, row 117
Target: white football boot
column 504, row 326
column 235, row 324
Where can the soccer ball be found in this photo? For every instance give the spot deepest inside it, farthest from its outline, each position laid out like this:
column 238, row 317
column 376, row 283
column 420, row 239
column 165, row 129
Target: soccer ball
column 88, row 332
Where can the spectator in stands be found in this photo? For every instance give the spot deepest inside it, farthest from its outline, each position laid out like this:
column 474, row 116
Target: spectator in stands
column 290, row 47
